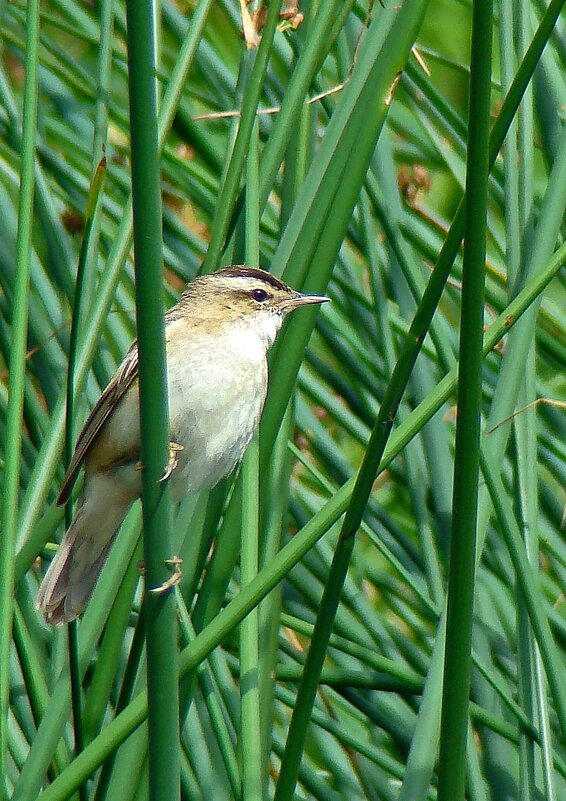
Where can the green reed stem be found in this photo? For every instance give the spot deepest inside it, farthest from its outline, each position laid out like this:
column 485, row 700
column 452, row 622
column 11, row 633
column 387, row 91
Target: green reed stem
column 14, row 417
column 161, row 619
column 461, row 578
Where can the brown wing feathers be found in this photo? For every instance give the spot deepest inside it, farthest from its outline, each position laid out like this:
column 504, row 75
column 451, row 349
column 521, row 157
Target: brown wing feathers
column 102, row 409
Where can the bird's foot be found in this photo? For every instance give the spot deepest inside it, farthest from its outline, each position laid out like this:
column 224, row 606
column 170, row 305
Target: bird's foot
column 174, row 449
column 174, row 564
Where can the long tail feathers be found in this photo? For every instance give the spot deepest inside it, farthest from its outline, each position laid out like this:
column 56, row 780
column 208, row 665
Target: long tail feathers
column 70, row 579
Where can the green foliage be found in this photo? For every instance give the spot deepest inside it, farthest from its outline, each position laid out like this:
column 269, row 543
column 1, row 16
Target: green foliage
column 351, row 184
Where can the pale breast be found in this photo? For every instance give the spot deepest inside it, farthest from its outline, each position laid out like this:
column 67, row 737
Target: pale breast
column 217, row 388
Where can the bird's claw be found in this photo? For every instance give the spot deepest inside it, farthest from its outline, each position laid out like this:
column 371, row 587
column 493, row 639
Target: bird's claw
column 174, row 449
column 174, row 563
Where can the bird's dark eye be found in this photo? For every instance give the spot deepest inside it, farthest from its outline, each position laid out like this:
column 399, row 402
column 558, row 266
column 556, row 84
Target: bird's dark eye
column 260, row 295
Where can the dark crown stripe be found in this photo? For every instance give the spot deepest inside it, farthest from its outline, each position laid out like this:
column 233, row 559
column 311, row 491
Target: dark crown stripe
column 241, row 271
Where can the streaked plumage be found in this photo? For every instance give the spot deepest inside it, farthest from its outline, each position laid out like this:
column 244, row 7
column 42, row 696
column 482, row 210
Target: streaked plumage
column 217, row 339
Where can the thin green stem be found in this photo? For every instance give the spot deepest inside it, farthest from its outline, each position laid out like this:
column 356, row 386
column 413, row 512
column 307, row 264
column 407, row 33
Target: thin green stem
column 83, row 273
column 14, row 415
column 250, row 701
column 231, row 179
column 526, row 646
column 251, row 739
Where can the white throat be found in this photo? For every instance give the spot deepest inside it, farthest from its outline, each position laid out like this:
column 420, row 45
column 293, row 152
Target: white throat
column 250, row 339
column 267, row 326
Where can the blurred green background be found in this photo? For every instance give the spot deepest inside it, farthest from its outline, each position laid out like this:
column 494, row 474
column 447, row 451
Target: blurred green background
column 364, row 219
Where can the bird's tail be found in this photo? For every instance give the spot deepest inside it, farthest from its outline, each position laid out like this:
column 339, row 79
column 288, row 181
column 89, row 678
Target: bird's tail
column 70, row 579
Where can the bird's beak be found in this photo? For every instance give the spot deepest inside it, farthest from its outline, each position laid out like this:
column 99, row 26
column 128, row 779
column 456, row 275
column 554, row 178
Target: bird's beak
column 298, row 299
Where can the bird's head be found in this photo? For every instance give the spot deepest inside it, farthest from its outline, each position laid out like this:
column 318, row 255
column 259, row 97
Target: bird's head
column 246, row 296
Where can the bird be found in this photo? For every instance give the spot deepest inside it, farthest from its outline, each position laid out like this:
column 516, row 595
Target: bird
column 217, row 338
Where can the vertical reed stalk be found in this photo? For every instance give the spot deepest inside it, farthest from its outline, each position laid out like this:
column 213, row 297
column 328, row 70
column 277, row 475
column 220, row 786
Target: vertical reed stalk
column 161, row 621
column 17, row 366
column 460, row 601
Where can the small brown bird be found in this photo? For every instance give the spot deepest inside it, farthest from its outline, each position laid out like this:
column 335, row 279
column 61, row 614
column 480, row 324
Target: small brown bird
column 217, row 339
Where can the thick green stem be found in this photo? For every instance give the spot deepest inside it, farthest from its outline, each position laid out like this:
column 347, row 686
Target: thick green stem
column 461, row 579
column 162, row 683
